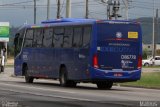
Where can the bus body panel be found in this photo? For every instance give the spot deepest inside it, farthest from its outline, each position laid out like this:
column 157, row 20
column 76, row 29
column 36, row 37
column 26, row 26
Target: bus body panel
column 46, row 62
column 115, row 76
column 117, row 51
column 18, row 66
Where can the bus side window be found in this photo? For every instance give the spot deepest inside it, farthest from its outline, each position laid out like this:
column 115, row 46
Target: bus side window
column 38, row 37
column 77, row 39
column 47, row 39
column 58, row 37
column 16, row 44
column 18, row 41
column 86, row 36
column 28, row 38
column 67, row 39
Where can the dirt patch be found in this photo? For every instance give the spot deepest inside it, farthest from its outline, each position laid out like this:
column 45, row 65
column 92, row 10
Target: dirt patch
column 10, row 61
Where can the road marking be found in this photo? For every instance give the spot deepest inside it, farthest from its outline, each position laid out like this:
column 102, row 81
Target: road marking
column 37, row 88
column 55, row 96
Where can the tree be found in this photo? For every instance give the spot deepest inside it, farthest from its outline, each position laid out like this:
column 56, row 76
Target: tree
column 158, row 52
column 144, row 55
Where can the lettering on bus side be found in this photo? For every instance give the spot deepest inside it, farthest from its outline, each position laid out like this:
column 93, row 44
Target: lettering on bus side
column 128, row 56
column 127, row 64
column 25, row 56
column 116, row 49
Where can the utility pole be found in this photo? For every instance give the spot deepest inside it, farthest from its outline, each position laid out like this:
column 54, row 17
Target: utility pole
column 34, row 11
column 116, row 6
column 87, row 10
column 153, row 38
column 157, row 23
column 127, row 9
column 112, row 8
column 48, row 9
column 126, row 2
column 58, row 9
column 68, row 8
column 108, row 4
column 156, row 31
column 108, row 13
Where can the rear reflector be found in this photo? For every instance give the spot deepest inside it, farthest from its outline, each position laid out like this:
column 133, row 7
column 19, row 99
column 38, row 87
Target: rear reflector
column 139, row 62
column 95, row 61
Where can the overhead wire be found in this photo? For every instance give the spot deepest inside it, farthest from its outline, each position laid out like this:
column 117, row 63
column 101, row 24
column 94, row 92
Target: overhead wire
column 96, row 3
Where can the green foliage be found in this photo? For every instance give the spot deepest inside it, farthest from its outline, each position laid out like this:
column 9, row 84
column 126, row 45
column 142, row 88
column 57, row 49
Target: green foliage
column 144, row 55
column 158, row 52
column 10, row 48
column 10, row 51
column 148, row 79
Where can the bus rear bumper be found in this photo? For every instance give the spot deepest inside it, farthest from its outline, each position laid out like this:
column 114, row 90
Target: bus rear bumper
column 115, row 75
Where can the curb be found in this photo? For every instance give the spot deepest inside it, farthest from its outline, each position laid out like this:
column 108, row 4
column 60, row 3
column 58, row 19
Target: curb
column 140, row 87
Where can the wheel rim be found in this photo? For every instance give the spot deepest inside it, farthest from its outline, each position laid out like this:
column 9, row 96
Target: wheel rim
column 62, row 79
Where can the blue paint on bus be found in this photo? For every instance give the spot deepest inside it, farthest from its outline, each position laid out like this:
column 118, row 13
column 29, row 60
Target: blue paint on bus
column 91, row 50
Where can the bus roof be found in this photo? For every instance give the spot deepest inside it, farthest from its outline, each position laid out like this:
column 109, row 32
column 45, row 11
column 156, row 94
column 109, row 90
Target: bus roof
column 68, row 21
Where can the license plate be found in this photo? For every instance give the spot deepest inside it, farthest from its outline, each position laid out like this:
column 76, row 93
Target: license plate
column 118, row 74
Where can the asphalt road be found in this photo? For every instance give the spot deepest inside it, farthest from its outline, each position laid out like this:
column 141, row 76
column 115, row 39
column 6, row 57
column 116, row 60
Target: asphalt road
column 14, row 92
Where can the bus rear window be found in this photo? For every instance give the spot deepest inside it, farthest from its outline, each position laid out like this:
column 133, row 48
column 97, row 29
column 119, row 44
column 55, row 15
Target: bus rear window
column 112, row 31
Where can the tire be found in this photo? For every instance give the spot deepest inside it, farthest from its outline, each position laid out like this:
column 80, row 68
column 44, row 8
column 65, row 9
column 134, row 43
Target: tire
column 71, row 84
column 146, row 64
column 28, row 79
column 63, row 79
column 104, row 85
column 2, row 68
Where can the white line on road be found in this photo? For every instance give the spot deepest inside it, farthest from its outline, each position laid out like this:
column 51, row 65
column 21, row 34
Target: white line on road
column 55, row 96
column 63, row 97
column 36, row 88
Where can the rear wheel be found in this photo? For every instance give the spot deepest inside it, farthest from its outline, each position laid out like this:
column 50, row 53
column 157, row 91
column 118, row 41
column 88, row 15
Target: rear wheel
column 104, row 85
column 28, row 78
column 63, row 79
column 2, row 68
column 72, row 83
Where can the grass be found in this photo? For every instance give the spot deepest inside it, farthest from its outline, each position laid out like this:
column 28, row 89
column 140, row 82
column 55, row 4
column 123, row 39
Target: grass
column 151, row 67
column 148, row 80
column 9, row 65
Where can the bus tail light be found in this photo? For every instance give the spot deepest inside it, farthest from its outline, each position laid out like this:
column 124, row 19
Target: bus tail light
column 139, row 62
column 95, row 61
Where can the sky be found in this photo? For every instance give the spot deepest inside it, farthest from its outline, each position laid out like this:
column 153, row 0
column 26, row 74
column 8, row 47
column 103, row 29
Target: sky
column 18, row 12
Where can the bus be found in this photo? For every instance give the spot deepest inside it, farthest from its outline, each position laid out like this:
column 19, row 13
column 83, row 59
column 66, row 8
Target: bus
column 71, row 50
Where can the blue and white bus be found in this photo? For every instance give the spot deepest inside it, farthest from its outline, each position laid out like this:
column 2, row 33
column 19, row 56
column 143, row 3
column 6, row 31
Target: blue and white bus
column 80, row 50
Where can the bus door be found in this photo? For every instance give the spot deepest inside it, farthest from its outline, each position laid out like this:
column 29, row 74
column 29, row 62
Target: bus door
column 118, row 46
column 17, row 53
